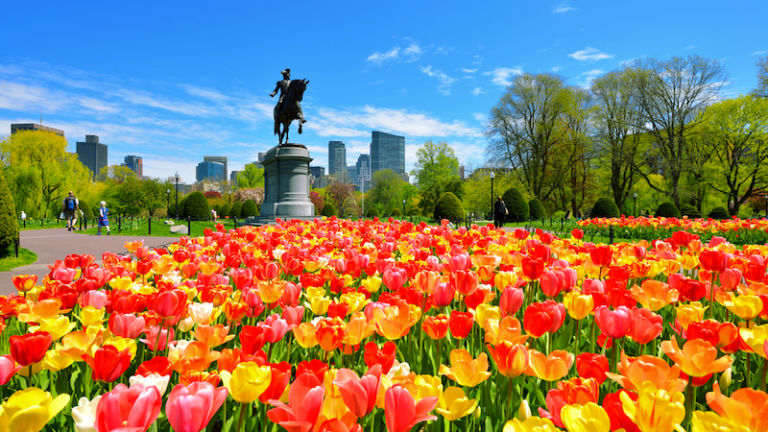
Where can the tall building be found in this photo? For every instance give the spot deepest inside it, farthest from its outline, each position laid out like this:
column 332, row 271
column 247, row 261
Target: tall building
column 363, row 178
column 337, row 160
column 135, row 164
column 233, row 177
column 92, row 154
column 213, row 171
column 352, row 175
column 221, row 159
column 388, row 152
column 15, row 127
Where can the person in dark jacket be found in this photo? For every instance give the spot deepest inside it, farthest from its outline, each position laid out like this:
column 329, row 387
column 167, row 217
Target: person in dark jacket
column 499, row 212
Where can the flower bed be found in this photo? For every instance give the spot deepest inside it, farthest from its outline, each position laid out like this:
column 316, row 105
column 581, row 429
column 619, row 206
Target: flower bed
column 337, row 325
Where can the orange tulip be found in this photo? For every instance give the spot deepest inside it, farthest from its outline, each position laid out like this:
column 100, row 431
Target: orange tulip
column 746, row 406
column 654, row 294
column 511, row 360
column 329, row 333
column 633, row 372
column 393, row 322
column 24, row 283
column 213, row 336
column 549, row 368
column 698, row 357
column 436, row 327
column 195, row 357
column 508, row 329
column 465, row 370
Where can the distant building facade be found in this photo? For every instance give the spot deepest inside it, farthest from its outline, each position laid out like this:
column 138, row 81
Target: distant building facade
column 211, row 171
column 315, row 174
column 16, row 127
column 135, row 164
column 233, row 177
column 363, row 175
column 337, row 160
column 92, row 154
column 222, row 160
column 352, row 175
column 388, row 152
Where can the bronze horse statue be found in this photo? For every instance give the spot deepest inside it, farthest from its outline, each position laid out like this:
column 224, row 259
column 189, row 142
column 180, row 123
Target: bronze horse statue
column 289, row 109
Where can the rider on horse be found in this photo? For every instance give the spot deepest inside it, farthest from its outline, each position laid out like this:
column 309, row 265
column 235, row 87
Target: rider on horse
column 282, row 87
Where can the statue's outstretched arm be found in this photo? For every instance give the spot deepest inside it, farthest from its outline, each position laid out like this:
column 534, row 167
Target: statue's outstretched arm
column 274, row 92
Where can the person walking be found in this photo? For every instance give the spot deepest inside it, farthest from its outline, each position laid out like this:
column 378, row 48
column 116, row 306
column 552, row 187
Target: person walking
column 103, row 217
column 499, row 211
column 70, row 208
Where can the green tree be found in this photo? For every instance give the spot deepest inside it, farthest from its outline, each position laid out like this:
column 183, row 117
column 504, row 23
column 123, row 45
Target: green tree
column 137, row 197
column 762, row 78
column 196, row 206
column 478, row 199
column 449, row 207
column 251, row 177
column 115, row 174
column 386, row 192
column 39, row 162
column 249, row 208
column 517, row 206
column 436, row 172
column 9, row 226
column 735, row 131
column 234, row 211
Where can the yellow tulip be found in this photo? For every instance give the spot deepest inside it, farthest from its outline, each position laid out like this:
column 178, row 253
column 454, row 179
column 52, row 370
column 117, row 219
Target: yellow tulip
column 305, row 335
column 655, row 409
column 755, row 337
column 485, row 312
column 707, row 421
column 247, row 382
column 585, row 418
column 427, row 386
column 578, row 305
column 690, row 312
column 371, row 284
column 91, row 317
column 355, row 301
column 30, row 410
column 55, row 361
column 747, row 307
column 454, row 404
column 56, row 326
column 358, row 328
column 531, row 424
column 465, row 370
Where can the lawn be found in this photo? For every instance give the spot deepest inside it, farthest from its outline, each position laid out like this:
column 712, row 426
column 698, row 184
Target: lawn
column 10, row 262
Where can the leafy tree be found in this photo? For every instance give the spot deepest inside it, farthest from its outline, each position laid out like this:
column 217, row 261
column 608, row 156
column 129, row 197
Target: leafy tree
column 250, row 177
column 537, row 210
column 196, row 207
column 735, row 132
column 762, row 78
column 234, row 211
column 86, row 209
column 341, row 194
column 670, row 96
column 40, row 171
column 317, row 200
column 115, row 174
column 525, row 131
column 517, row 206
column 577, row 149
column 328, row 210
column 436, row 172
column 249, row 209
column 449, row 207
column 224, row 210
column 604, row 207
column 136, row 197
column 9, row 226
column 386, row 191
column 478, row 199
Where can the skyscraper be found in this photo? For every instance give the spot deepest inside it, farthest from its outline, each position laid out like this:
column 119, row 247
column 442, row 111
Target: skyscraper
column 15, row 127
column 92, row 154
column 337, row 160
column 363, row 179
column 220, row 159
column 135, row 164
column 388, row 152
column 208, row 170
column 352, row 175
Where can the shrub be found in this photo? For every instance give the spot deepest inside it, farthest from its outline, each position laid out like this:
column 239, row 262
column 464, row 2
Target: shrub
column 448, row 207
column 604, row 207
column 690, row 211
column 517, row 206
column 196, row 206
column 235, row 210
column 212, row 194
column 536, row 208
column 86, row 209
column 249, row 209
column 371, row 212
column 396, row 212
column 719, row 213
column 328, row 210
column 667, row 209
column 224, row 211
column 9, row 226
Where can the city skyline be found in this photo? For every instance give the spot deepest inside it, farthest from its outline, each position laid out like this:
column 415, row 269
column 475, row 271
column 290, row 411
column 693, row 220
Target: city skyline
column 196, row 79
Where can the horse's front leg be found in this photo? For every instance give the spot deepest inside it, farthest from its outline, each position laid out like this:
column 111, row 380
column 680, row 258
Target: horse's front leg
column 286, row 127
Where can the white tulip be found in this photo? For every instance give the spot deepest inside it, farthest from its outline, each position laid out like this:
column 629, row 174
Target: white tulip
column 84, row 414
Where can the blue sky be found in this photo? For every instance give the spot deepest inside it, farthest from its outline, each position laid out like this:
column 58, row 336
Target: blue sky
column 173, row 81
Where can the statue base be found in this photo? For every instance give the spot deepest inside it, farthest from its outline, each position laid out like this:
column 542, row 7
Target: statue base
column 286, row 185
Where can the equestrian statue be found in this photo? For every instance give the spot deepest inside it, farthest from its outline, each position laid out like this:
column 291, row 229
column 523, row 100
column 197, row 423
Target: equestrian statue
column 288, row 106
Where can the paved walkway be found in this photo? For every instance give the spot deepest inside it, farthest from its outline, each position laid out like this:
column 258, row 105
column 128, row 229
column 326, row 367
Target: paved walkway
column 56, row 243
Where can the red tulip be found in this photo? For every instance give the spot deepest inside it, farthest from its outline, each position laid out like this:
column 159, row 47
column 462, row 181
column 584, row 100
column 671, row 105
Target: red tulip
column 30, row 348
column 25, row 282
column 128, row 409
column 252, row 338
column 601, row 255
column 126, row 325
column 552, row 282
column 713, row 260
column 402, row 412
column 613, row 323
column 615, row 409
column 384, row 357
column 466, row 282
column 314, row 367
column 532, row 268
column 190, row 408
column 107, row 363
column 359, row 394
column 281, row 376
column 511, row 300
column 730, row 278
column 460, row 324
column 644, row 325
column 156, row 365
column 540, row 318
column 394, row 278
column 594, row 366
column 170, row 304
column 444, row 294
column 305, row 398
column 158, row 338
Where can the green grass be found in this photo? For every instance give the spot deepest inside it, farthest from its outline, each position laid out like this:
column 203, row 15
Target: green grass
column 10, row 262
column 42, row 224
column 138, row 227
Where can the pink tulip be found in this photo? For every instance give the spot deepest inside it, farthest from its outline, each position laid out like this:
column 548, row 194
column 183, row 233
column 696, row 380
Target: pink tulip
column 190, row 408
column 359, row 394
column 394, row 278
column 730, row 278
column 613, row 323
column 166, row 335
column 8, row 368
column 127, row 325
column 305, row 398
column 293, row 315
column 511, row 300
column 402, row 412
column 274, row 328
column 95, row 298
column 126, row 409
column 444, row 293
column 551, row 282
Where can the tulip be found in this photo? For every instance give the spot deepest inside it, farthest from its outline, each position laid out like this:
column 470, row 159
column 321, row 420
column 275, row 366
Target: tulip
column 29, row 410
column 466, row 282
column 698, row 357
column 543, row 318
column 201, row 313
column 615, row 409
column 24, row 283
column 402, row 412
column 465, row 370
column 594, row 366
column 635, row 372
column 329, row 333
column 8, row 369
column 107, row 364
column 305, row 399
column 531, row 424
column 690, row 312
column 713, row 260
column 460, row 324
column 511, row 300
column 384, row 357
column 156, row 380
column 644, row 325
column 549, row 368
column 84, row 414
column 585, row 418
column 755, row 338
column 252, row 338
column 157, row 337
column 190, row 408
column 654, row 294
column 274, row 328
column 746, row 307
column 359, row 394
column 30, row 348
column 532, row 267
column 136, row 408
column 710, row 422
column 170, row 304
column 746, row 407
column 578, row 306
column 394, row 278
column 213, row 336
column 613, row 323
column 454, row 404
column 511, row 360
column 444, row 294
column 279, row 379
column 601, row 255
column 247, row 382
column 655, row 409
column 436, row 327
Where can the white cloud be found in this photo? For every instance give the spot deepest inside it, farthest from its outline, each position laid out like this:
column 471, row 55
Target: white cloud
column 585, row 78
column 480, row 117
column 761, row 52
column 445, row 81
column 501, row 76
column 204, row 93
column 477, row 91
column 97, row 105
column 22, row 97
column 563, row 8
column 412, row 52
column 556, row 69
column 469, row 71
column 408, row 54
column 589, row 54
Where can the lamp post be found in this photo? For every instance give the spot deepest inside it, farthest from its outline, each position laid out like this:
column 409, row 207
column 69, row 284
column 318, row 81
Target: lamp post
column 403, row 209
column 766, row 206
column 493, row 175
column 634, row 195
column 176, row 177
column 167, row 203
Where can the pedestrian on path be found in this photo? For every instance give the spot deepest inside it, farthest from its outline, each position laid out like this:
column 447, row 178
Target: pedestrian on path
column 103, row 217
column 70, row 207
column 499, row 212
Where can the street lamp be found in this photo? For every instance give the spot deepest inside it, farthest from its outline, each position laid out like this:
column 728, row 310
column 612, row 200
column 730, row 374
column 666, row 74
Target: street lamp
column 634, row 195
column 176, row 177
column 403, row 209
column 167, row 203
column 493, row 175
